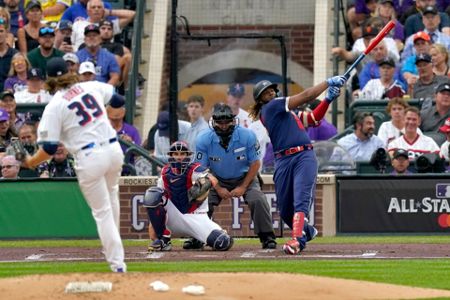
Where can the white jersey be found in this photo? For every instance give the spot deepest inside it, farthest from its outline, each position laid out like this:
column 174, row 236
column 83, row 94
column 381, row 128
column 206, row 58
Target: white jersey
column 388, row 132
column 421, row 145
column 262, row 136
column 77, row 116
column 244, row 119
column 445, row 149
column 24, row 96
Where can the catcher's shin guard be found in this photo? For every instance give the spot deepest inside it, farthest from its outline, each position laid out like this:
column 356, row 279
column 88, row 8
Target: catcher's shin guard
column 157, row 217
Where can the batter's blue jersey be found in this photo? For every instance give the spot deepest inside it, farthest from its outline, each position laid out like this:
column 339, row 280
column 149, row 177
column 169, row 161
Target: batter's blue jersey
column 284, row 127
column 234, row 162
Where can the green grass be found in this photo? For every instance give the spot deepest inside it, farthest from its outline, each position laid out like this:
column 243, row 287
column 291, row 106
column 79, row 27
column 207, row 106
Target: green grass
column 427, row 273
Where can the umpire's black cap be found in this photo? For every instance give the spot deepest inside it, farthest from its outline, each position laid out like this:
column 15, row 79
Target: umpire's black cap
column 222, row 112
column 56, row 66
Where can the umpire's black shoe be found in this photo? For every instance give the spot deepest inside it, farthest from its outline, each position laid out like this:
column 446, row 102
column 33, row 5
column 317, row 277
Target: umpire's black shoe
column 192, row 244
column 269, row 243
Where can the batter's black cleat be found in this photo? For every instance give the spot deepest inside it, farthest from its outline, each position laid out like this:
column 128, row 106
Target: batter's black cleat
column 163, row 244
column 193, row 244
column 269, row 243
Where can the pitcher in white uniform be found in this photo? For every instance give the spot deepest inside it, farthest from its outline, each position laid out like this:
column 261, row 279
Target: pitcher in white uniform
column 76, row 116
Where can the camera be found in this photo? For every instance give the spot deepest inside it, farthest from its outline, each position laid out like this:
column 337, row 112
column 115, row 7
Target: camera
column 380, row 160
column 430, row 163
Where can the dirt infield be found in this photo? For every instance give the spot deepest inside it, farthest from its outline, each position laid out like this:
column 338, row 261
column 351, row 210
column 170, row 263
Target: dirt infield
column 220, row 285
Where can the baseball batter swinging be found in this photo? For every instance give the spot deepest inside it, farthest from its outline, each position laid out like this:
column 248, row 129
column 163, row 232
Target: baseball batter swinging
column 178, row 205
column 295, row 162
column 76, row 116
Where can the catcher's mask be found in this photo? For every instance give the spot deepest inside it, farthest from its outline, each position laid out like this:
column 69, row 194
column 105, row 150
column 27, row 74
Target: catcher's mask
column 223, row 122
column 180, row 165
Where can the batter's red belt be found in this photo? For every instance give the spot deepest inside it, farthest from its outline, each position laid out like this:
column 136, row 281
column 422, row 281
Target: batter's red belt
column 293, row 150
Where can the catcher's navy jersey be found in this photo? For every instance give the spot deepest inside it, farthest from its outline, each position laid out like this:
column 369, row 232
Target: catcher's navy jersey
column 284, row 127
column 177, row 185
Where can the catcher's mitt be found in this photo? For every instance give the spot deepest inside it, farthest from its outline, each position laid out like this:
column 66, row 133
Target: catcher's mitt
column 199, row 190
column 19, row 151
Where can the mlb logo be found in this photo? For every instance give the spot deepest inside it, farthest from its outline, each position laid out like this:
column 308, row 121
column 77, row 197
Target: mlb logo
column 443, row 190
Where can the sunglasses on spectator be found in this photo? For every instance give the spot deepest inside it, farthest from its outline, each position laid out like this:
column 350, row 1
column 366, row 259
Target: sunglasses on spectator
column 45, row 30
column 2, row 21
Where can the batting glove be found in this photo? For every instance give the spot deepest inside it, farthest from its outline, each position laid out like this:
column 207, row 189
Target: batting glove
column 338, row 81
column 332, row 93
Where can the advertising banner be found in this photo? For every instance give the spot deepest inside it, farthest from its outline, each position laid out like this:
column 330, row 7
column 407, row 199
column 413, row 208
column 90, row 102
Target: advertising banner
column 391, row 205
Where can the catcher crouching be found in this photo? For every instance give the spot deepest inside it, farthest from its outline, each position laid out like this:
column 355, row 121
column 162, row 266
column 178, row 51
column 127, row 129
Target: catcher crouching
column 177, row 206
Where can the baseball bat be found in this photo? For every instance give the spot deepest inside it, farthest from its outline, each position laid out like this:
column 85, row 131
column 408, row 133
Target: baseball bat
column 389, row 26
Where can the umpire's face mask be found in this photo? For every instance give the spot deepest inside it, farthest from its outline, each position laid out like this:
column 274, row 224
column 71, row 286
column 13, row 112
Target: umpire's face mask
column 224, row 129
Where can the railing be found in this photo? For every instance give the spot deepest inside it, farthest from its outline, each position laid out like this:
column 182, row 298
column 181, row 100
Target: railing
column 132, row 150
column 130, row 92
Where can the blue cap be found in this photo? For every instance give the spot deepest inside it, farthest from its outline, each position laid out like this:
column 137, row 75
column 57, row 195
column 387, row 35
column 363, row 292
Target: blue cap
column 236, row 90
column 163, row 123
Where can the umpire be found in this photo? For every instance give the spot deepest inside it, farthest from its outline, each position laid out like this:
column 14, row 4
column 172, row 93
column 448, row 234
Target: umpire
column 231, row 152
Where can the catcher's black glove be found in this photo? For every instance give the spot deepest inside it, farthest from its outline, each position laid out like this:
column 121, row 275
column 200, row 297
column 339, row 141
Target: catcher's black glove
column 19, row 151
column 199, row 190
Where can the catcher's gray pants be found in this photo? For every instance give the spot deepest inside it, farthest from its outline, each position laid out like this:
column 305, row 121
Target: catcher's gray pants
column 253, row 197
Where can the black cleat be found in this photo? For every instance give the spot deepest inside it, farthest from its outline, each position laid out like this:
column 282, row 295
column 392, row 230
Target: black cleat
column 193, row 244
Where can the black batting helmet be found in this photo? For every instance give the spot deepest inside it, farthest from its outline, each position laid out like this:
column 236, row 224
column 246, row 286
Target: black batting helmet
column 261, row 86
column 222, row 112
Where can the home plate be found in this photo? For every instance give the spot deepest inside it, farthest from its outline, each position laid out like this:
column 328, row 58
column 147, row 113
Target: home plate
column 88, row 287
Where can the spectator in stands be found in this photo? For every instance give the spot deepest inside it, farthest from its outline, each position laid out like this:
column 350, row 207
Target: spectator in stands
column 417, row 22
column 4, row 14
column 8, row 103
column 18, row 73
column 363, row 142
column 439, row 58
column 125, row 131
column 16, row 11
column 78, row 11
column 34, row 92
column 431, row 22
column 10, row 167
column 6, row 133
column 122, row 53
column 422, row 45
column 427, row 82
column 385, row 86
column 28, row 35
column 400, row 162
column 86, row 71
column 235, row 96
column 7, row 53
column 408, row 8
column 39, row 56
column 369, row 31
column 390, row 130
column 52, row 10
column 161, row 139
column 445, row 147
column 416, row 144
column 434, row 116
column 386, row 12
column 195, row 109
column 62, row 165
column 96, row 13
column 372, row 71
column 360, row 12
column 72, row 62
column 63, row 36
column 107, row 68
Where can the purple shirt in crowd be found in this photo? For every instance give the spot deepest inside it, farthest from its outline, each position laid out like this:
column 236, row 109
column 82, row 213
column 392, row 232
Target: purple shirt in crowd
column 322, row 132
column 15, row 84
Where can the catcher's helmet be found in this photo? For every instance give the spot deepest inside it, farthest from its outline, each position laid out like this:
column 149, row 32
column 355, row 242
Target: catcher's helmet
column 261, row 86
column 180, row 166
